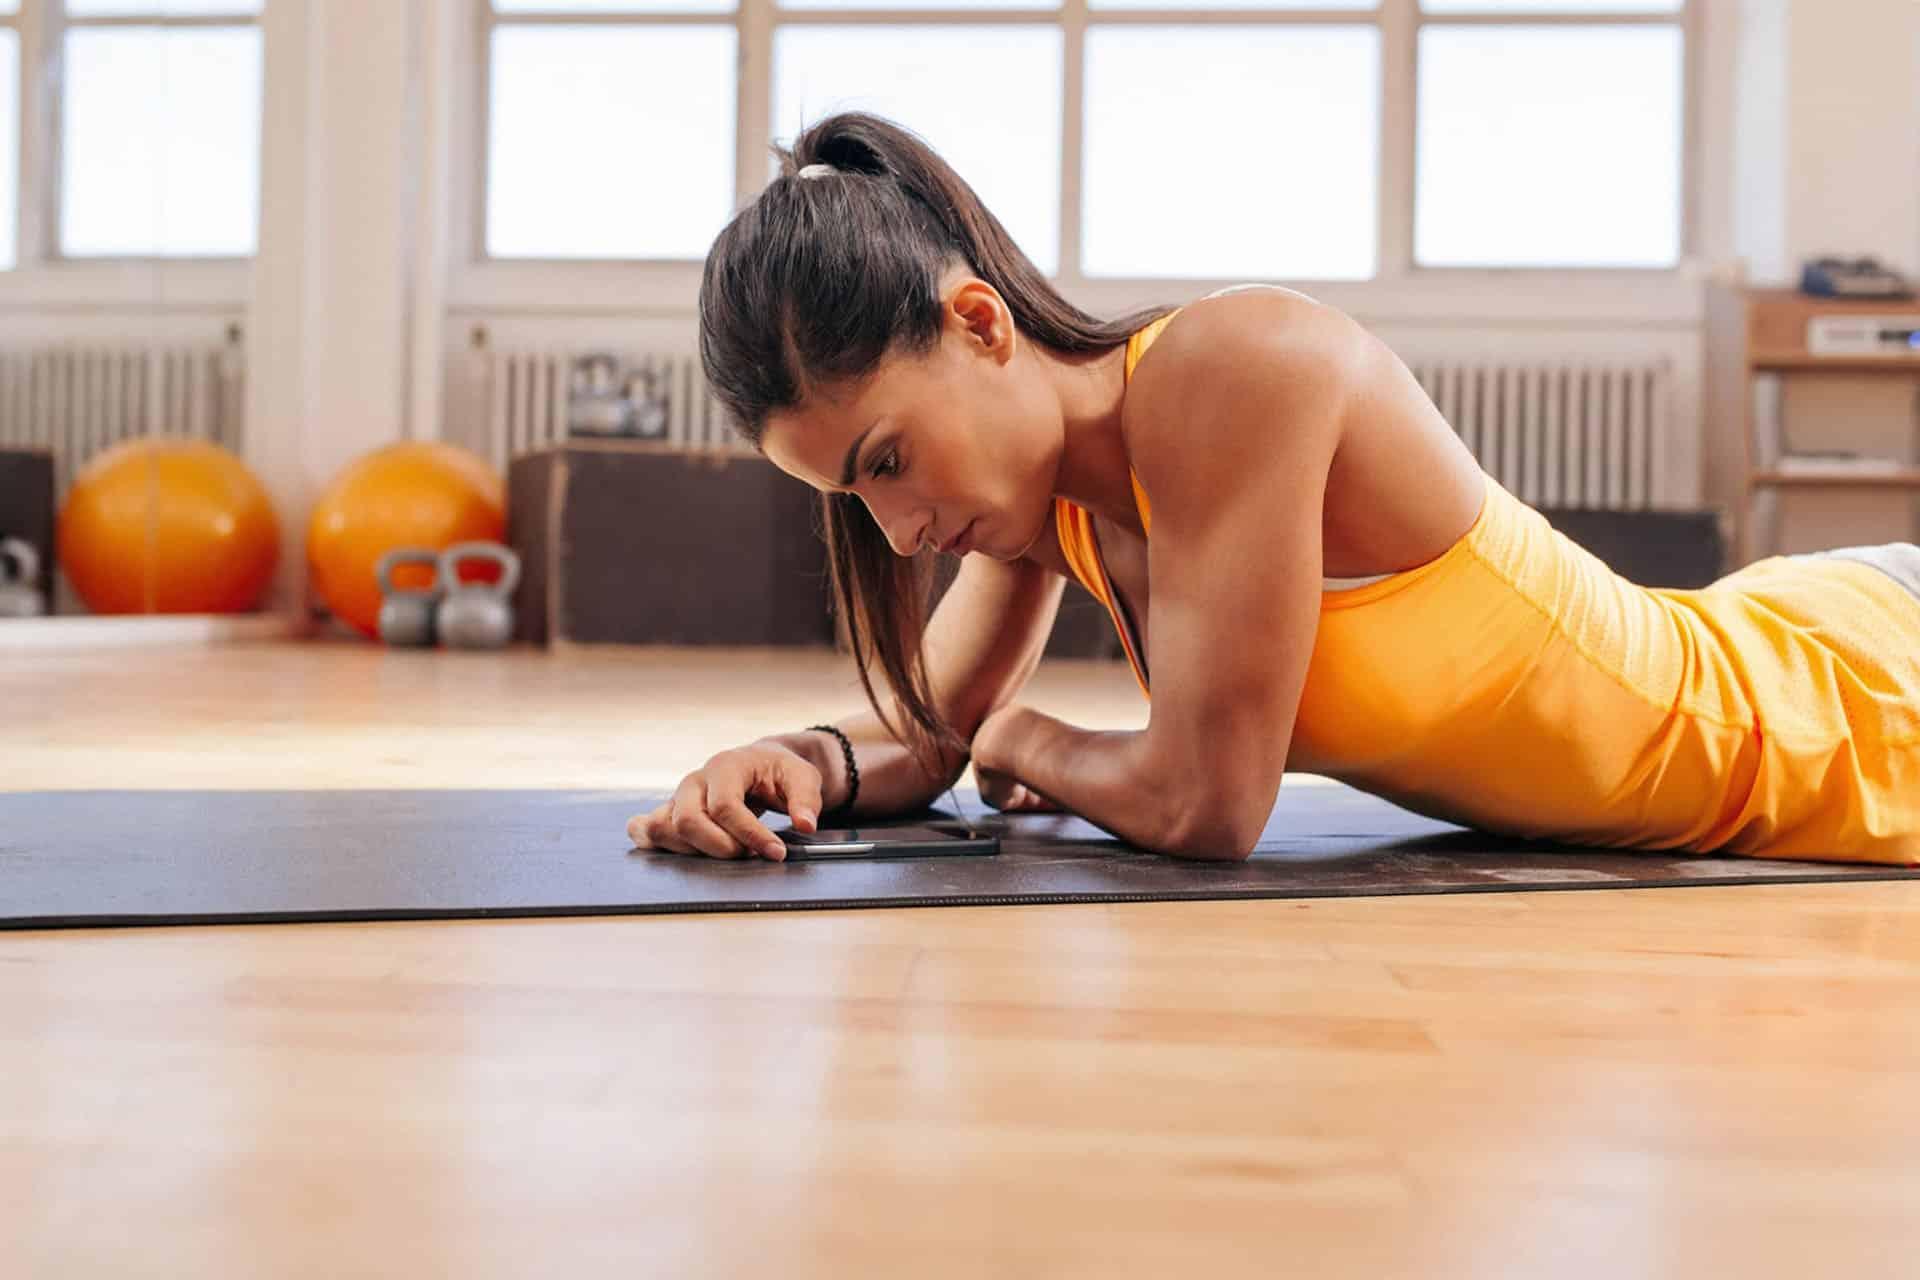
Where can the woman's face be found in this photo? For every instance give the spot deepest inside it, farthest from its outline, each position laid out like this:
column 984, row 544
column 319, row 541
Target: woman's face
column 967, row 435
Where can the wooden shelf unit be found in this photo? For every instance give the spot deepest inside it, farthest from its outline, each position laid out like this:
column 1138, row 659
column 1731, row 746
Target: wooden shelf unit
column 1904, row 478
column 1764, row 331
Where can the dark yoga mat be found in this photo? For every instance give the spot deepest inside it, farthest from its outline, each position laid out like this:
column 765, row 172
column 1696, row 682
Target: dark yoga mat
column 89, row 858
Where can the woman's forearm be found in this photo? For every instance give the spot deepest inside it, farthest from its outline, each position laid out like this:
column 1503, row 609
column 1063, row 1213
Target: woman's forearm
column 1098, row 774
column 891, row 780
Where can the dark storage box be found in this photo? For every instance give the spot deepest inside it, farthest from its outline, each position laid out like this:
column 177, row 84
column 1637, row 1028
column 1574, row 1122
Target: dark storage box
column 27, row 511
column 642, row 544
column 625, row 543
column 1652, row 548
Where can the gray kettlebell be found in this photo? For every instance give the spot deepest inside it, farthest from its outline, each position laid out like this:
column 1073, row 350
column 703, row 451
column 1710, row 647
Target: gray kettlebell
column 19, row 580
column 406, row 615
column 477, row 615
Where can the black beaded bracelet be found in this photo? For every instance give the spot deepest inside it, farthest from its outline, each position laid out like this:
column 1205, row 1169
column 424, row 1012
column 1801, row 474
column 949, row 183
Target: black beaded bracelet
column 853, row 770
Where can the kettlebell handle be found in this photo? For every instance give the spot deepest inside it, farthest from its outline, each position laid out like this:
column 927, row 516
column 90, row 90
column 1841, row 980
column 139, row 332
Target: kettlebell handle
column 408, row 555
column 20, row 553
column 453, row 556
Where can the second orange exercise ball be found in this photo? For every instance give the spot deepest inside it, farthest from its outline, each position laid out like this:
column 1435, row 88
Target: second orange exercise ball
column 405, row 495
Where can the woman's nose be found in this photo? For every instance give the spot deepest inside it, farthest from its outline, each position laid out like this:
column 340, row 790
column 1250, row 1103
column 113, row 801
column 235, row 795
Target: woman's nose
column 908, row 541
column 904, row 531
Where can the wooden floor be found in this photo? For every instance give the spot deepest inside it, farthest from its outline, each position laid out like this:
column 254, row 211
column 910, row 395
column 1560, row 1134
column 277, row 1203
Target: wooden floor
column 1683, row 1082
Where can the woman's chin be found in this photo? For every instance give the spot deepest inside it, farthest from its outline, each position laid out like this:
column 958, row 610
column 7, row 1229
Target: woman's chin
column 1025, row 547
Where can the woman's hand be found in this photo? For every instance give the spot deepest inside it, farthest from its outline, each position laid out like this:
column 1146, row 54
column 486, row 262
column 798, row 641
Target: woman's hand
column 715, row 809
column 995, row 747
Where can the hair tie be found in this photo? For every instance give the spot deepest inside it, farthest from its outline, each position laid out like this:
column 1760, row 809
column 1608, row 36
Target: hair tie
column 817, row 171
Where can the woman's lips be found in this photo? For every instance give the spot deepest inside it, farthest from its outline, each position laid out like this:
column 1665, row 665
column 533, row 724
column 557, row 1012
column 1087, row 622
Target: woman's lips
column 955, row 544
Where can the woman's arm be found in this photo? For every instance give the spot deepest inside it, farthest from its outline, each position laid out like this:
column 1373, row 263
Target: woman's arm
column 983, row 642
column 891, row 780
column 1232, row 421
column 1093, row 773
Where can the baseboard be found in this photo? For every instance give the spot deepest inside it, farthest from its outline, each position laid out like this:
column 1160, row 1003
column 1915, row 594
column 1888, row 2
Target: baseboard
column 141, row 632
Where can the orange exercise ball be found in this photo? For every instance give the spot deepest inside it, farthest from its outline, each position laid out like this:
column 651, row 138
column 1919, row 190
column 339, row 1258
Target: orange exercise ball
column 405, row 495
column 165, row 525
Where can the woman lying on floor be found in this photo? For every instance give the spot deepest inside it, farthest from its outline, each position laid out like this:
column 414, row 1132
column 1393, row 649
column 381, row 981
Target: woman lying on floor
column 1292, row 541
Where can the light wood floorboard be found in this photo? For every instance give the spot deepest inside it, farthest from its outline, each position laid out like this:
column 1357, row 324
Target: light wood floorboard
column 1691, row 1082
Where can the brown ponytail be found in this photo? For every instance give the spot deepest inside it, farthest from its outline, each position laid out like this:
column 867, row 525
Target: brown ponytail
column 815, row 284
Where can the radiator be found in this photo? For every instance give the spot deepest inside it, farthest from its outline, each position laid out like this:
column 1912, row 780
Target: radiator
column 531, row 398
column 77, row 400
column 1561, row 433
column 1557, row 433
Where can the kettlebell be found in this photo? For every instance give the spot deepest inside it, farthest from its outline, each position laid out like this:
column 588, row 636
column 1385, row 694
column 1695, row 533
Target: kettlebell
column 19, row 580
column 477, row 615
column 406, row 615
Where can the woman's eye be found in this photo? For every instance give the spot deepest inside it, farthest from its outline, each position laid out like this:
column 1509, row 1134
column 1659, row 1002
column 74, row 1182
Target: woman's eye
column 888, row 465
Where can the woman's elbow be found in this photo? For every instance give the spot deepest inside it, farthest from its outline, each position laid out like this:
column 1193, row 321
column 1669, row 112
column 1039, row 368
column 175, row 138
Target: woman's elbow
column 1215, row 842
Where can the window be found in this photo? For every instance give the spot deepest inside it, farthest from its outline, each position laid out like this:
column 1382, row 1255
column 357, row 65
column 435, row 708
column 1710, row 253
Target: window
column 1548, row 145
column 1200, row 162
column 609, row 139
column 1004, row 141
column 1338, row 140
column 159, row 128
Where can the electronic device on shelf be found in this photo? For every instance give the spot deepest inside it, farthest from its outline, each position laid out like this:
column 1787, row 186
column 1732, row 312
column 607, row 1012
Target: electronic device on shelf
column 1852, row 278
column 1891, row 334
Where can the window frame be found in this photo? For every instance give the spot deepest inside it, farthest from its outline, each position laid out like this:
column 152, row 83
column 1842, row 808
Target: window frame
column 53, row 194
column 42, row 274
column 1401, row 289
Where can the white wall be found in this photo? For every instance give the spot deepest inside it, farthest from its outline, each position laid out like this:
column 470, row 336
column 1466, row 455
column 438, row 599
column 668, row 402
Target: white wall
column 1759, row 132
column 1826, row 135
column 328, row 328
column 1828, row 162
column 1853, row 130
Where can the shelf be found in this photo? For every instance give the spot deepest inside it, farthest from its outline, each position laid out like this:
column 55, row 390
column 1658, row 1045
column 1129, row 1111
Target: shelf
column 1799, row 363
column 1792, row 298
column 1906, row 478
column 1751, row 333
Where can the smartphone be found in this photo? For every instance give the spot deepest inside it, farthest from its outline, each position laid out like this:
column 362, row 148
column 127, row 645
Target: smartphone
column 920, row 840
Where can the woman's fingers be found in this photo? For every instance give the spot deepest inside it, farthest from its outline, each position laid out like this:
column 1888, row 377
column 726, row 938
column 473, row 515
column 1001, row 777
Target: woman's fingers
column 732, row 818
column 1028, row 801
column 715, row 811
column 642, row 829
column 694, row 825
column 799, row 786
column 681, row 825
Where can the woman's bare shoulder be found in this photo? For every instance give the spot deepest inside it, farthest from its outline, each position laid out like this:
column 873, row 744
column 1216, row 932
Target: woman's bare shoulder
column 1399, row 482
column 1275, row 324
column 1251, row 348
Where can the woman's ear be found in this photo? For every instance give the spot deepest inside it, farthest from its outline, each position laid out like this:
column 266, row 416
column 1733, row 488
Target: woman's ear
column 983, row 317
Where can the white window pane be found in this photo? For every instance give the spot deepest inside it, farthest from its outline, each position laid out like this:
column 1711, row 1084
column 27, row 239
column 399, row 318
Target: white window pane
column 9, row 6
column 1232, row 152
column 1004, row 143
column 1520, row 7
column 161, row 146
column 1281, row 5
column 1549, row 146
column 614, row 6
column 161, row 8
column 9, row 146
column 610, row 142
